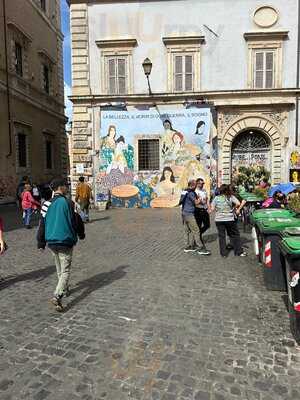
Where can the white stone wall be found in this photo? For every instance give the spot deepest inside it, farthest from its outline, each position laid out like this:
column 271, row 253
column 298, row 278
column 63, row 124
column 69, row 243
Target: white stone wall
column 224, row 58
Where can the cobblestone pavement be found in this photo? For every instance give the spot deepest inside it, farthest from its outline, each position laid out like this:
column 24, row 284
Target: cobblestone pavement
column 144, row 320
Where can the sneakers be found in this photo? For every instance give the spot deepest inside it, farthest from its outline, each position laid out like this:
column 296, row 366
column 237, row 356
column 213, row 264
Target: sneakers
column 189, row 249
column 243, row 254
column 56, row 302
column 204, row 252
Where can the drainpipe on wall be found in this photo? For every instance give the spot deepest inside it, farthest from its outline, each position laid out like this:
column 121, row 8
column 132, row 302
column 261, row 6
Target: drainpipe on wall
column 7, row 82
column 298, row 78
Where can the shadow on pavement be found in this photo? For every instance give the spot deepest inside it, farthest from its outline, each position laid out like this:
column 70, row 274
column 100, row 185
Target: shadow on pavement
column 37, row 275
column 12, row 218
column 96, row 282
column 210, row 238
column 98, row 219
column 285, row 299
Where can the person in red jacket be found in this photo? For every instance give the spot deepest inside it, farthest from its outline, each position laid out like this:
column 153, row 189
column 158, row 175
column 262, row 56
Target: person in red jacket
column 28, row 205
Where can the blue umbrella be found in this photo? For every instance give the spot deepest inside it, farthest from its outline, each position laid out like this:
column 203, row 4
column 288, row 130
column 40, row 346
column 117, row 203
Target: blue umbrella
column 284, row 188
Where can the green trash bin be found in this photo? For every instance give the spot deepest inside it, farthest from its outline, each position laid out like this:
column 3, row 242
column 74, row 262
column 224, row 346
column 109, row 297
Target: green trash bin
column 259, row 215
column 263, row 213
column 290, row 254
column 271, row 233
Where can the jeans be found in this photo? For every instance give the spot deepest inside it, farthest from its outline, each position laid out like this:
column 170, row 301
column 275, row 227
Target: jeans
column 27, row 212
column 63, row 261
column 85, row 208
column 232, row 230
column 191, row 230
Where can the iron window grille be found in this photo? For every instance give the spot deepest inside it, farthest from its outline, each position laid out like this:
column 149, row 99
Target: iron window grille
column 148, row 155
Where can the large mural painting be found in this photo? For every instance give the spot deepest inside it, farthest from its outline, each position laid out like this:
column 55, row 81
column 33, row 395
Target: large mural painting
column 179, row 147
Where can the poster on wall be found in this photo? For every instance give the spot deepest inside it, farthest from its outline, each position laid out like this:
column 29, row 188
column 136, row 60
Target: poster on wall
column 295, row 167
column 251, row 159
column 147, row 157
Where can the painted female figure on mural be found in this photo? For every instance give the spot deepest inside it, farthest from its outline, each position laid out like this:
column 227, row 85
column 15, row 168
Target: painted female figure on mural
column 167, row 137
column 122, row 157
column 200, row 128
column 174, row 149
column 107, row 148
column 178, row 153
column 167, row 183
column 192, row 171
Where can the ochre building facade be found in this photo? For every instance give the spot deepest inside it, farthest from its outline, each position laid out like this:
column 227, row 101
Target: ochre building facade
column 32, row 121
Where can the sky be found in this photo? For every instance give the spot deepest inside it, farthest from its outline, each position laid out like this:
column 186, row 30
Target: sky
column 65, row 20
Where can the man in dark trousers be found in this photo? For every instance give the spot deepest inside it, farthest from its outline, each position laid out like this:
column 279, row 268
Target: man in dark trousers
column 59, row 228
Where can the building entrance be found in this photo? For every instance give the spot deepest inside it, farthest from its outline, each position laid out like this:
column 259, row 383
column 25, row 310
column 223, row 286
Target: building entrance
column 250, row 148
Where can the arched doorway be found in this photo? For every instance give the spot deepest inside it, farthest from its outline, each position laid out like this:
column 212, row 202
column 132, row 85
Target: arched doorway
column 250, row 148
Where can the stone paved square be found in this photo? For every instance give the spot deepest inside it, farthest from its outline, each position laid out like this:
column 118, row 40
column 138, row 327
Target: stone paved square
column 144, row 320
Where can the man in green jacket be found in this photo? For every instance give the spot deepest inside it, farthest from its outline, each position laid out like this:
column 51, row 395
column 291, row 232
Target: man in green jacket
column 59, row 228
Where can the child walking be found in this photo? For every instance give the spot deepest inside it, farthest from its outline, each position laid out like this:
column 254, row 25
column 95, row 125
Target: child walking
column 29, row 204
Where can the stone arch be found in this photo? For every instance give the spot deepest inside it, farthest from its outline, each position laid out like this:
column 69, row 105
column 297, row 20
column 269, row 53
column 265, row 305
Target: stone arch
column 260, row 123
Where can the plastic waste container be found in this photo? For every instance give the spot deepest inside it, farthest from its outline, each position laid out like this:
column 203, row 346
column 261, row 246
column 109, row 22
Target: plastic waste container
column 265, row 213
column 270, row 230
column 290, row 254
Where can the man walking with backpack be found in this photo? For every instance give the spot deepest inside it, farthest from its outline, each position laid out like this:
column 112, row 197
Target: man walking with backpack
column 189, row 200
column 59, row 228
column 83, row 197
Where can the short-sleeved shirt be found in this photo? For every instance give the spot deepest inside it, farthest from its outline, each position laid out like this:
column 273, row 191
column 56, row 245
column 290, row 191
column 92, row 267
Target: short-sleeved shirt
column 224, row 207
column 188, row 207
column 202, row 194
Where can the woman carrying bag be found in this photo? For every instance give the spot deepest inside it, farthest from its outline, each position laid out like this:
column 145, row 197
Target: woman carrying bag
column 227, row 208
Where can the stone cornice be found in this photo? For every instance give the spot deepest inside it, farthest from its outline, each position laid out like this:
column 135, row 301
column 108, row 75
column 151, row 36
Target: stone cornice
column 44, row 53
column 266, row 35
column 16, row 27
column 171, row 40
column 219, row 98
column 110, row 43
column 35, row 102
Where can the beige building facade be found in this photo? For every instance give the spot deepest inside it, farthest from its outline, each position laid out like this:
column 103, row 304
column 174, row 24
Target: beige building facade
column 32, row 120
column 246, row 70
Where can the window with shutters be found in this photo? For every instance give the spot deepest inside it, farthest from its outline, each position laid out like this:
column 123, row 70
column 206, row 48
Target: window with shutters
column 117, row 75
column 265, row 59
column 116, row 65
column 148, row 154
column 264, row 69
column 46, row 79
column 183, row 72
column 18, row 59
column 22, row 147
column 184, row 63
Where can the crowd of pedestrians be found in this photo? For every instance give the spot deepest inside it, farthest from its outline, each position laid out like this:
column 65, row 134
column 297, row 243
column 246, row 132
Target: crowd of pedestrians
column 61, row 222
column 196, row 208
column 60, row 226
